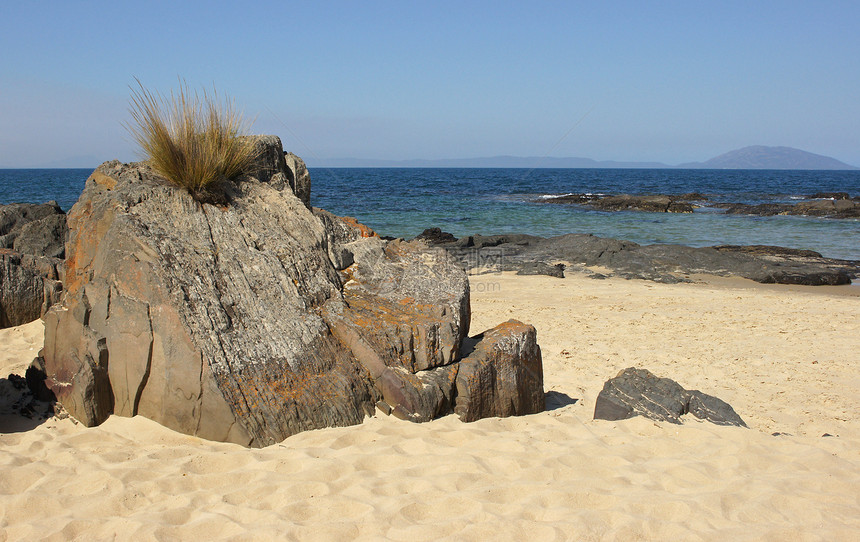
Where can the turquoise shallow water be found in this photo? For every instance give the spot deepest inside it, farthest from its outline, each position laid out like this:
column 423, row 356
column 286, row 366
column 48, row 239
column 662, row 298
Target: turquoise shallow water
column 403, row 202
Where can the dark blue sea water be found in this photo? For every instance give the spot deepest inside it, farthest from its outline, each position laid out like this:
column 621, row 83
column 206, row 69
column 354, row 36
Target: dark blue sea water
column 403, row 202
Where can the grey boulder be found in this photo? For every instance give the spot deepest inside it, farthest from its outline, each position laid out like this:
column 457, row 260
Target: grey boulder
column 637, row 392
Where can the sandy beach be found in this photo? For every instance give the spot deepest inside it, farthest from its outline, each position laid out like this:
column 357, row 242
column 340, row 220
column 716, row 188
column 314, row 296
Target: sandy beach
column 784, row 357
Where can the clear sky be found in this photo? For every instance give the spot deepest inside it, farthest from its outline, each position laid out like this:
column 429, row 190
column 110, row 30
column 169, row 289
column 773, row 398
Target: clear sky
column 662, row 81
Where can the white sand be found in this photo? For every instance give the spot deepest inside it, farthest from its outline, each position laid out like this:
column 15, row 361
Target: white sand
column 786, row 359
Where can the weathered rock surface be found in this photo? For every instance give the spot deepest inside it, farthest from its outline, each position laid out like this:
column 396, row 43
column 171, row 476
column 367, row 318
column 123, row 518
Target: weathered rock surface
column 637, row 392
column 32, row 243
column 661, row 263
column 29, row 286
column 300, row 178
column 502, row 375
column 15, row 216
column 250, row 320
column 44, row 237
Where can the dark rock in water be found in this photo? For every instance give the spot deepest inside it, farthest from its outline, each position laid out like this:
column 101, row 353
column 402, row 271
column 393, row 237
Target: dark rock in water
column 825, row 204
column 692, row 196
column 29, row 286
column 248, row 321
column 840, row 208
column 826, row 208
column 436, row 236
column 627, row 202
column 637, row 392
column 502, row 375
column 540, row 268
column 830, row 195
column 661, row 263
column 652, row 204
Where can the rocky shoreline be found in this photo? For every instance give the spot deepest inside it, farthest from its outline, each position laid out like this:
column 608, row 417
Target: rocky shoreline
column 826, row 204
column 529, row 254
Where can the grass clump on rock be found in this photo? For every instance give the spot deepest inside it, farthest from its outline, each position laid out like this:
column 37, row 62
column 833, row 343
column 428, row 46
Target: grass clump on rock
column 194, row 142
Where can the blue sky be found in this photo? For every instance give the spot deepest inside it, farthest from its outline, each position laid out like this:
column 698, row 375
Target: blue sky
column 662, row 81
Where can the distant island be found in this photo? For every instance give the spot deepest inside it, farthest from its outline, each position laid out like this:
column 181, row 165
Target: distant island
column 761, row 157
column 754, row 157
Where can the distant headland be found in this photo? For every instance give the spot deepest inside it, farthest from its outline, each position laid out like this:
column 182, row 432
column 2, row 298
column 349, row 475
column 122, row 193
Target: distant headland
column 753, row 157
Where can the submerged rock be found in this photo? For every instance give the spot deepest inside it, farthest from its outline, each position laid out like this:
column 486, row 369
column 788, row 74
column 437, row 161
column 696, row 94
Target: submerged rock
column 251, row 320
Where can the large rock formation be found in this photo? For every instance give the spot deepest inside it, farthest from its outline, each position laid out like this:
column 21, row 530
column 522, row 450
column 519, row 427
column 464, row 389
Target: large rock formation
column 32, row 243
column 260, row 317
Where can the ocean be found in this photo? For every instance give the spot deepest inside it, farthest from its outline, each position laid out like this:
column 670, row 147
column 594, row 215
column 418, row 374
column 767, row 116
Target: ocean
column 402, row 202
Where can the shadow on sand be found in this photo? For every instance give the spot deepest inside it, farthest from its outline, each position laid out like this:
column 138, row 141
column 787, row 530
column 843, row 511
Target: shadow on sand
column 557, row 399
column 20, row 409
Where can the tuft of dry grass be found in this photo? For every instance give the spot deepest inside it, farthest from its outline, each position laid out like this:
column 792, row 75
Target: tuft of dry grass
column 194, row 141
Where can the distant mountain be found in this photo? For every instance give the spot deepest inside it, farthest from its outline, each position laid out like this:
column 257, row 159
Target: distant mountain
column 761, row 157
column 756, row 157
column 525, row 162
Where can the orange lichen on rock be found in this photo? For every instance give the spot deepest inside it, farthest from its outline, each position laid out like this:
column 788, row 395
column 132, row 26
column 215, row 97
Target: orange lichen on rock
column 102, row 180
column 365, row 231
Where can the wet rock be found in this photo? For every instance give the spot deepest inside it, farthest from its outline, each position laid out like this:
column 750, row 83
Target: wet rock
column 637, row 392
column 826, row 208
column 627, row 202
column 830, row 195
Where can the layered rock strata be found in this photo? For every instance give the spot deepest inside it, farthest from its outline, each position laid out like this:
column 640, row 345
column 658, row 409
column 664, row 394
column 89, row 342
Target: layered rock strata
column 638, row 392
